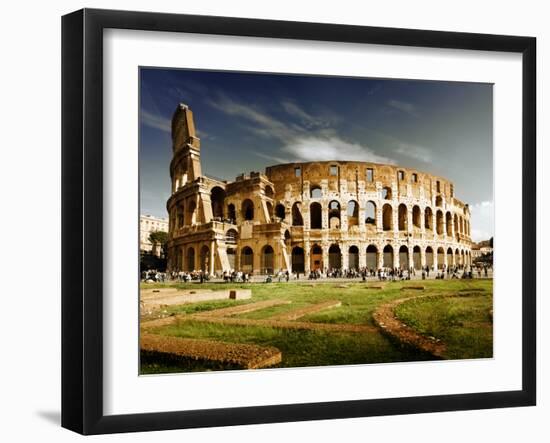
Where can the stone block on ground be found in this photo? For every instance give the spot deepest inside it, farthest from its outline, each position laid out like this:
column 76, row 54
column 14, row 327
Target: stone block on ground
column 240, row 294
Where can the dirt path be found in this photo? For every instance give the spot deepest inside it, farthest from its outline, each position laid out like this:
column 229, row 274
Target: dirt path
column 244, row 355
column 385, row 318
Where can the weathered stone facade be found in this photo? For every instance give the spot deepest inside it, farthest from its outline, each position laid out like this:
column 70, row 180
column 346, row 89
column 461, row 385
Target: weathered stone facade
column 306, row 216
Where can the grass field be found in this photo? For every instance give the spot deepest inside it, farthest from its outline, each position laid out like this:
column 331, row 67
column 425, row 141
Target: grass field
column 463, row 323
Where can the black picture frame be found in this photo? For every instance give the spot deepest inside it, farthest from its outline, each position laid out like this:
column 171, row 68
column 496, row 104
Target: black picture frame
column 82, row 218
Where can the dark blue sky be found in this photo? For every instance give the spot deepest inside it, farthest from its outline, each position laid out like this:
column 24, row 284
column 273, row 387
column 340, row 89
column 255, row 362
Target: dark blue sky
column 249, row 121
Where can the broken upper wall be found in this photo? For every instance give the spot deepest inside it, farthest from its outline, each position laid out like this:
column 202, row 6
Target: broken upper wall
column 359, row 177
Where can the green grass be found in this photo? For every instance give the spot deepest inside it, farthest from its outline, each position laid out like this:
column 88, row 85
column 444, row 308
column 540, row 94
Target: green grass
column 469, row 338
column 464, row 324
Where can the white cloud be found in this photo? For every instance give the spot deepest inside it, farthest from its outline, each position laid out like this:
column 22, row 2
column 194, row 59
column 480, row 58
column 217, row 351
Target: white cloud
column 155, row 121
column 482, row 220
column 272, row 158
column 405, row 107
column 414, row 151
column 264, row 124
column 322, row 149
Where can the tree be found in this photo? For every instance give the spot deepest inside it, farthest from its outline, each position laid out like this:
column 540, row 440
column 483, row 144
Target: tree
column 159, row 238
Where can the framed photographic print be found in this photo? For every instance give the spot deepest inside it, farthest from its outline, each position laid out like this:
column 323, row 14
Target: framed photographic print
column 270, row 221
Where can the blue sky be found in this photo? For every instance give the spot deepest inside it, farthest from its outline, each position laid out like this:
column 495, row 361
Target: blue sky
column 247, row 121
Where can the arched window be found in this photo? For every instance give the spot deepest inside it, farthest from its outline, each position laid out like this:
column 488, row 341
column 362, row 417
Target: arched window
column 316, row 192
column 417, row 260
column 439, row 222
column 438, row 201
column 247, row 259
column 231, row 237
column 217, row 197
column 316, row 216
column 429, row 256
column 297, row 219
column 402, row 217
column 231, row 213
column 428, row 219
column 353, row 209
column 280, row 211
column 370, row 213
column 440, row 257
column 247, row 209
column 180, row 217
column 298, row 259
column 334, row 257
column 267, row 259
column 334, row 215
column 416, row 217
column 372, row 257
column 353, row 257
column 192, row 213
column 387, row 217
column 404, row 257
column 190, row 259
column 388, row 256
column 456, row 224
column 449, row 223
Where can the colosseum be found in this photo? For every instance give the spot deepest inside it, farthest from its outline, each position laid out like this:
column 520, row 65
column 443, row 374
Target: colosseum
column 310, row 216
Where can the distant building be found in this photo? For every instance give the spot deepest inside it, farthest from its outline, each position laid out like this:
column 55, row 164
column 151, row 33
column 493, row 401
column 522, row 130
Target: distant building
column 147, row 225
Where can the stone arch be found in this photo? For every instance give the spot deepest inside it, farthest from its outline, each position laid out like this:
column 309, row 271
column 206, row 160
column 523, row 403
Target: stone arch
column 439, row 222
column 180, row 218
column 217, row 197
column 190, row 259
column 297, row 219
column 370, row 213
column 316, row 191
column 298, row 259
column 449, row 257
column 372, row 257
column 316, row 215
column 428, row 219
column 416, row 219
column 457, row 257
column 429, row 257
column 353, row 257
column 386, row 193
column 388, row 256
column 417, row 257
column 280, row 211
column 387, row 217
column 449, row 223
column 247, row 209
column 316, row 258
column 334, row 257
column 353, row 213
column 247, row 259
column 231, row 212
column 404, row 257
column 402, row 217
column 231, row 237
column 268, row 259
column 334, row 214
column 455, row 219
column 205, row 259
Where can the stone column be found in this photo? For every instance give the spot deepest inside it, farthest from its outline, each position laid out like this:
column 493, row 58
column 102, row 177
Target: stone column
column 434, row 224
column 211, row 259
column 307, row 257
column 378, row 216
column 435, row 256
column 344, row 250
column 422, row 257
column 395, row 256
column 325, row 263
column 362, row 256
column 380, row 256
